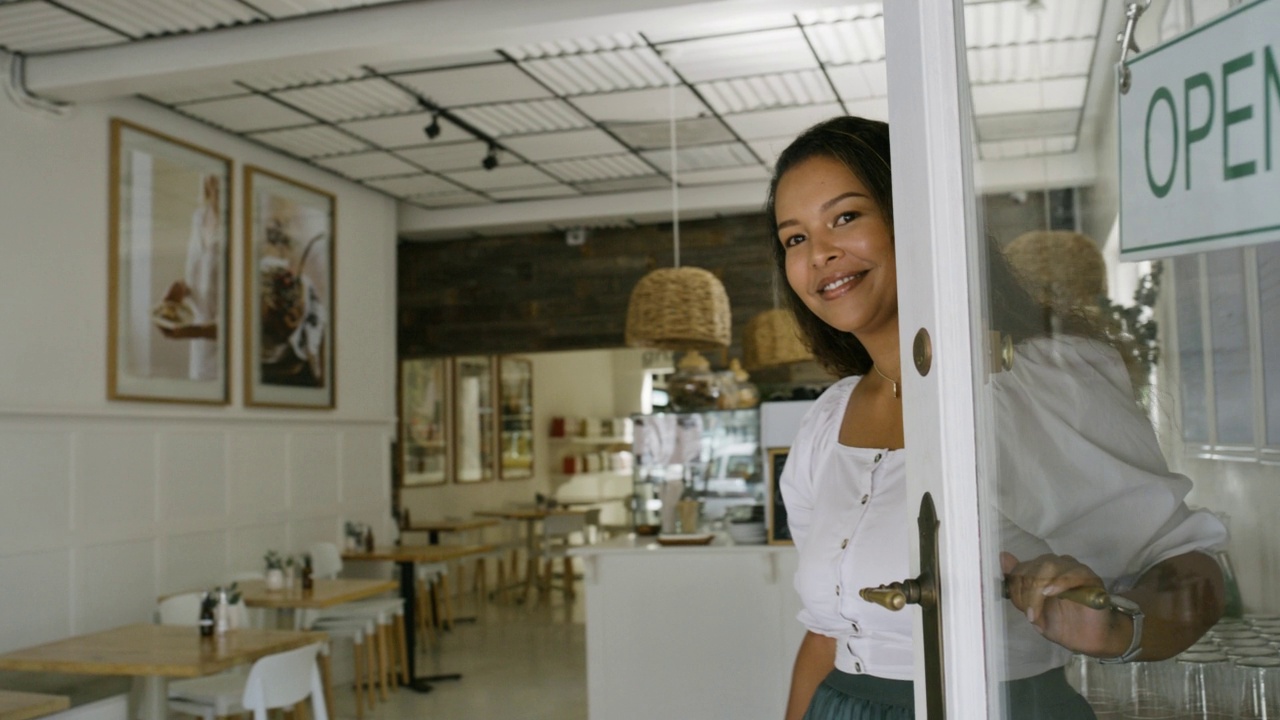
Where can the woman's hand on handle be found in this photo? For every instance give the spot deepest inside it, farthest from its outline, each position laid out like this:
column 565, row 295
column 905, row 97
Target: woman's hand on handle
column 1033, row 587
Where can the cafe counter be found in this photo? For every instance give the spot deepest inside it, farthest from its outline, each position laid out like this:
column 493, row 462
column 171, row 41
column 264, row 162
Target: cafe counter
column 689, row 631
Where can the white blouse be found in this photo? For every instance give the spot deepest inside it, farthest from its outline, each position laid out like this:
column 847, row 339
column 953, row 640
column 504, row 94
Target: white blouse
column 1084, row 476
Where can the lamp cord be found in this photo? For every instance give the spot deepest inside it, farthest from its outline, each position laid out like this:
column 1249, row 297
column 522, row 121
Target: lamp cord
column 675, row 173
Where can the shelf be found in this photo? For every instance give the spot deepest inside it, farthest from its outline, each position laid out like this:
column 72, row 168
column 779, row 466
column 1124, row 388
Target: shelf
column 582, row 440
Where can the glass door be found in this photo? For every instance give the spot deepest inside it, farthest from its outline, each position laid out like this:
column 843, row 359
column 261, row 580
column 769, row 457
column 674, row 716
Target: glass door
column 1063, row 539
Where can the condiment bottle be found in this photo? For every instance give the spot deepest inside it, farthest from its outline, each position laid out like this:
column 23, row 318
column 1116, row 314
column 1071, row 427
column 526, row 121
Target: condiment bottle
column 206, row 616
column 222, row 612
column 368, row 539
column 307, row 582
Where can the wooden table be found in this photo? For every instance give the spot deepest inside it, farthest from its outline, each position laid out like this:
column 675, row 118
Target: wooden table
column 406, row 556
column 433, row 528
column 531, row 517
column 16, row 705
column 152, row 654
column 324, row 593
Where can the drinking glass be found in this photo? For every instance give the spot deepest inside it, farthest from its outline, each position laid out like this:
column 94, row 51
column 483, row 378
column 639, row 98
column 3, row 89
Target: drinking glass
column 1258, row 682
column 1250, row 652
column 1152, row 693
column 1206, row 687
column 1098, row 684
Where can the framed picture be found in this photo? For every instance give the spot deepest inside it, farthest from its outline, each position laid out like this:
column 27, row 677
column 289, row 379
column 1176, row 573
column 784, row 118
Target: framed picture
column 168, row 266
column 473, row 419
column 425, row 433
column 775, row 511
column 515, row 418
column 289, row 292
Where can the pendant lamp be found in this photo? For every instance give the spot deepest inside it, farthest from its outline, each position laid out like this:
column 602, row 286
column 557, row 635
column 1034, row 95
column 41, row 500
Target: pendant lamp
column 678, row 308
column 771, row 339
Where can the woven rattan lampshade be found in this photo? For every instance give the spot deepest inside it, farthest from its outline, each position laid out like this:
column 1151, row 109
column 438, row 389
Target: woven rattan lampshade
column 1061, row 268
column 683, row 308
column 772, row 339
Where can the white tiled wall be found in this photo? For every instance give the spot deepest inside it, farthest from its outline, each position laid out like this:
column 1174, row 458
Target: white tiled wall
column 112, row 512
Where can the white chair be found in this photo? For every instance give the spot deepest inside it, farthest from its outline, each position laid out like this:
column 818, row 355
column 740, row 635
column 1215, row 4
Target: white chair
column 115, row 707
column 184, row 609
column 276, row 681
column 556, row 531
column 388, row 613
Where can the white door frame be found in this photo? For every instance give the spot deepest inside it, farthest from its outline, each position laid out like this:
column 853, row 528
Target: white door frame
column 934, row 212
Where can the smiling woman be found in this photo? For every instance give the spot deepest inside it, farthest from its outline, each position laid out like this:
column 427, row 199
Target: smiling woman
column 1072, row 501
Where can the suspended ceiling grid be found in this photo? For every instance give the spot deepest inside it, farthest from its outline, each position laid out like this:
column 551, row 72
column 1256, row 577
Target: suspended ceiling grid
column 591, row 116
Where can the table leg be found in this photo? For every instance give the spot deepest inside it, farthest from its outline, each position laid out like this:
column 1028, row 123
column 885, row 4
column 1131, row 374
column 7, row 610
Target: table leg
column 149, row 698
column 531, row 550
column 408, row 586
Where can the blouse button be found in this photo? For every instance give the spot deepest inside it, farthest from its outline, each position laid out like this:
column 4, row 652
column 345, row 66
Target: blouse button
column 865, row 498
column 844, row 543
column 857, row 666
column 856, row 630
column 837, row 589
column 878, row 456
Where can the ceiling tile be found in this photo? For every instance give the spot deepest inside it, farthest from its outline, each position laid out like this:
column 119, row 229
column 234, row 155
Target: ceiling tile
column 368, row 165
column 655, row 135
column 36, row 27
column 729, row 25
column 454, row 198
column 849, row 42
column 769, row 148
column 246, row 114
column 1008, row 149
column 289, row 8
column 1024, row 96
column 601, row 71
column 780, row 123
column 150, row 18
column 412, row 185
column 311, row 141
column 533, row 193
column 807, row 87
column 839, row 14
column 1006, row 23
column 854, row 82
column 479, row 57
column 1030, row 62
column 450, row 156
column 873, row 108
column 641, row 105
column 351, row 100
column 707, row 157
column 1025, row 125
column 300, row 78
column 598, row 168
column 718, row 176
column 563, row 145
column 472, row 85
column 192, row 93
column 404, row 131
column 501, row 177
column 524, row 118
column 758, row 53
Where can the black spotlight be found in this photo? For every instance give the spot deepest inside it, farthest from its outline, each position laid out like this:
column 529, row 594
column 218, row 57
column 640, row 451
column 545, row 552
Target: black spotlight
column 433, row 130
column 490, row 159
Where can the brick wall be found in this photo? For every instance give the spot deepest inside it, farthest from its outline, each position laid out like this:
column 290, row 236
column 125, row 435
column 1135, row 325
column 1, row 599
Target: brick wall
column 534, row 293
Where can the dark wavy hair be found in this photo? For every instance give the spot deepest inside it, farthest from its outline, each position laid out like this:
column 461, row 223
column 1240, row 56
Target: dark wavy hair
column 862, row 146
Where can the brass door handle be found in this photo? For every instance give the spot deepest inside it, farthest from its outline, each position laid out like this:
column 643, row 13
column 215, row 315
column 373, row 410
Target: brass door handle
column 1091, row 597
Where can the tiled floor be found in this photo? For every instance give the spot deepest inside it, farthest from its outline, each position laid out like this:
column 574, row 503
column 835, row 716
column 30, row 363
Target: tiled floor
column 519, row 662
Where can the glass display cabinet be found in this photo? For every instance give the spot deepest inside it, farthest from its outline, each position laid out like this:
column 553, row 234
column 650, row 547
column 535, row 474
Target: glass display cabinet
column 515, row 402
column 424, row 426
column 716, row 454
column 473, row 418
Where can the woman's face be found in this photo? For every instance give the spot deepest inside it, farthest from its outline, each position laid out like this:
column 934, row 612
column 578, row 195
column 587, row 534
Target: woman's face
column 839, row 249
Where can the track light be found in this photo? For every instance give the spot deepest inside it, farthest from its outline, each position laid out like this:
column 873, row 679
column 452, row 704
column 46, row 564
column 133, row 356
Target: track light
column 433, row 130
column 490, row 159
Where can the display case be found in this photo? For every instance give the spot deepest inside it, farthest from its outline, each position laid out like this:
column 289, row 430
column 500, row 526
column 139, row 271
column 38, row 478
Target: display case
column 716, row 454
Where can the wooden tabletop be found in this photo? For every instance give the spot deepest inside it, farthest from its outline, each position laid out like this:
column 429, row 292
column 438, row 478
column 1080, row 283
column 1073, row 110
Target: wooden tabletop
column 526, row 513
column 417, row 553
column 324, row 593
column 16, row 705
column 162, row 650
column 451, row 525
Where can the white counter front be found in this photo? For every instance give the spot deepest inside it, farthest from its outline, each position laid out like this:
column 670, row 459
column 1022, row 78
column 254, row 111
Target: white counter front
column 689, row 632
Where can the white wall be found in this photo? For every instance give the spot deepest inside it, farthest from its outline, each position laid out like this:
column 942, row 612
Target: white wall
column 107, row 504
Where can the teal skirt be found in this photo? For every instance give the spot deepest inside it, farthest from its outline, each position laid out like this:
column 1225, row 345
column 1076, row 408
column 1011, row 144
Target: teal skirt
column 841, row 696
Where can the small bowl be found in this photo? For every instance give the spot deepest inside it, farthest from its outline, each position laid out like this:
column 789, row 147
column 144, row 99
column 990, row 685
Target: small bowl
column 647, row 530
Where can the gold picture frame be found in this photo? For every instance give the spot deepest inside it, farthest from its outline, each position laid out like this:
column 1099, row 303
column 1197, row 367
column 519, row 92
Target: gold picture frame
column 426, row 432
column 170, row 250
column 290, row 299
column 515, row 418
column 775, row 509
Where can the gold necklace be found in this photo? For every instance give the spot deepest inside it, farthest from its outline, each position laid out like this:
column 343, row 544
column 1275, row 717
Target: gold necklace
column 896, row 392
